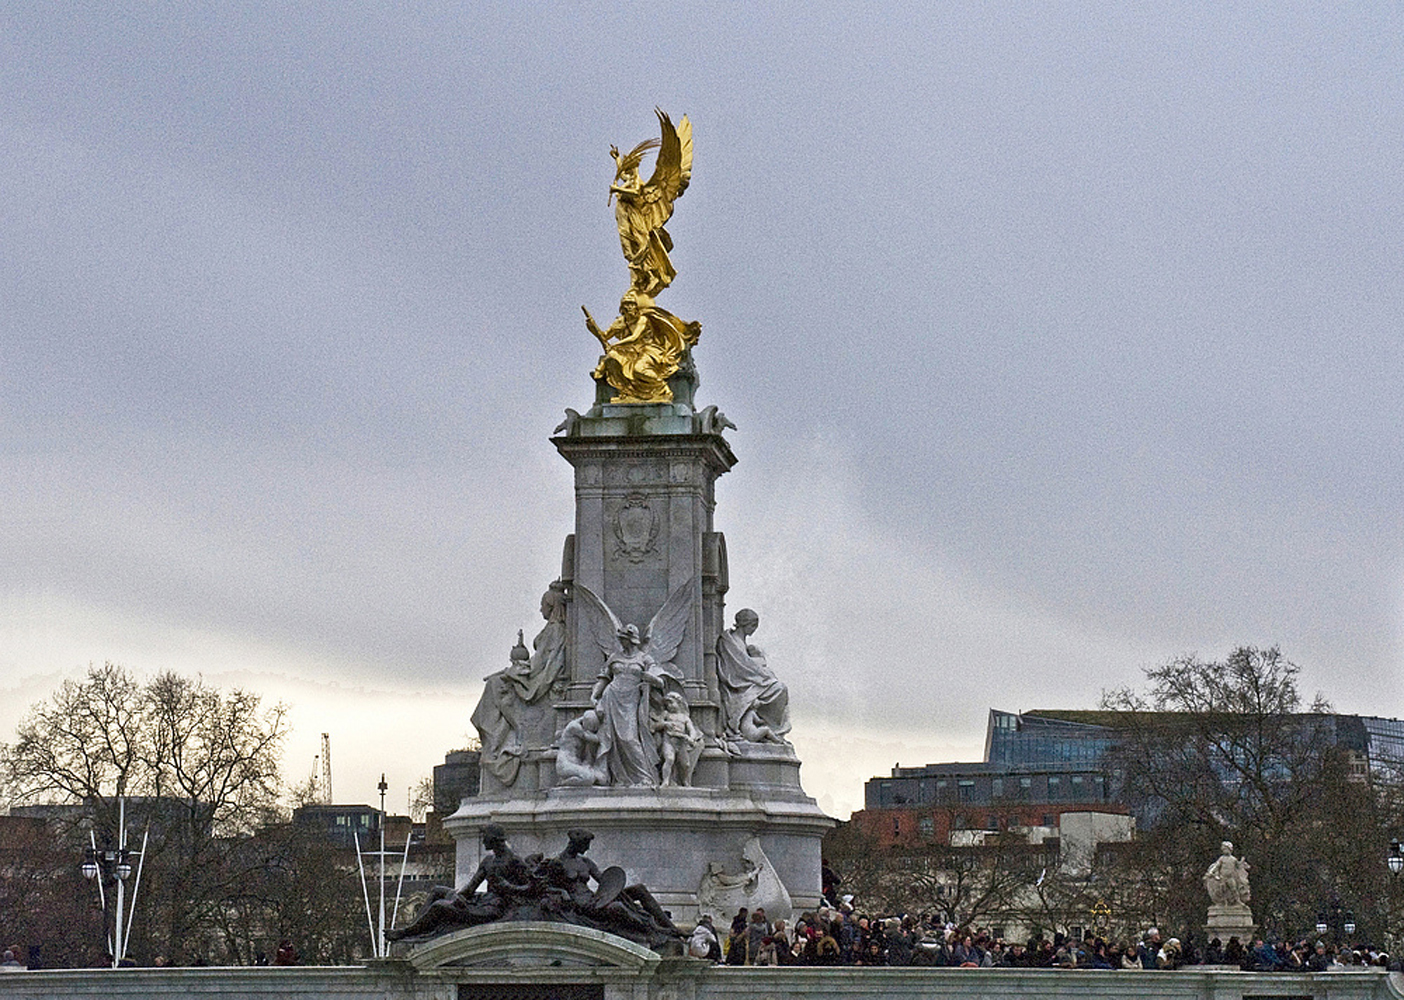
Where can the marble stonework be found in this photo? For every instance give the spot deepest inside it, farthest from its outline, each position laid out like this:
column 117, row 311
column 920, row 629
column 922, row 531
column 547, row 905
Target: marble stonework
column 646, row 554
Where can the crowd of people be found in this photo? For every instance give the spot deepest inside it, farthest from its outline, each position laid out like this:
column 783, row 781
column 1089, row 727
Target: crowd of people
column 839, row 936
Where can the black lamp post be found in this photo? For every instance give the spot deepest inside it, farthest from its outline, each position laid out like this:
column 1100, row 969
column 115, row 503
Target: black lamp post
column 110, row 868
column 1336, row 918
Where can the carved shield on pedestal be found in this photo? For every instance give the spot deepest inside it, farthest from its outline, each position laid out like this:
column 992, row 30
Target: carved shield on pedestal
column 635, row 528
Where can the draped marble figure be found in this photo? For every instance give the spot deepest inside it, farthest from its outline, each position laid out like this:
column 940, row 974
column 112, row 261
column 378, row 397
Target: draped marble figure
column 629, row 693
column 755, row 702
column 513, row 703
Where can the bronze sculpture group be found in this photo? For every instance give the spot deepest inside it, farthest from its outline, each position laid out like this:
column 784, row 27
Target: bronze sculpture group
column 551, row 889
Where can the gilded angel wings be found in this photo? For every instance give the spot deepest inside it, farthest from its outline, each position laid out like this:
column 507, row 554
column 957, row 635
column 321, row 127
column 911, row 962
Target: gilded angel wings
column 642, row 209
column 662, row 636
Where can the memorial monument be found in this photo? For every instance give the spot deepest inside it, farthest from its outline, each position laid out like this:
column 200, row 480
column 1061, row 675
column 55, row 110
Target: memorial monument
column 637, row 713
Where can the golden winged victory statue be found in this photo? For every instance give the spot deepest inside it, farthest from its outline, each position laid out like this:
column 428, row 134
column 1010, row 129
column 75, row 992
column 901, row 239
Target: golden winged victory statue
column 645, row 345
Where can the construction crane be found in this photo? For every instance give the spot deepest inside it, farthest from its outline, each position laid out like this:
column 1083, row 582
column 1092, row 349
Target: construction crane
column 326, row 769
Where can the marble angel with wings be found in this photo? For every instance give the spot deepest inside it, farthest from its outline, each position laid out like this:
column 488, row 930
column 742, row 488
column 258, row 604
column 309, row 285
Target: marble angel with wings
column 629, row 694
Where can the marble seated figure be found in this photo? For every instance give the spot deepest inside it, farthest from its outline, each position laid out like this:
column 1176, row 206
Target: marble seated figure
column 755, row 703
column 577, row 764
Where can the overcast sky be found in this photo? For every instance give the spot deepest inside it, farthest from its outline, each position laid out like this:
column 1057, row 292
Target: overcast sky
column 1061, row 338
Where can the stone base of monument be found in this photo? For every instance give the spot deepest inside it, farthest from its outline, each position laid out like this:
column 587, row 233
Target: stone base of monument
column 1230, row 920
column 667, row 837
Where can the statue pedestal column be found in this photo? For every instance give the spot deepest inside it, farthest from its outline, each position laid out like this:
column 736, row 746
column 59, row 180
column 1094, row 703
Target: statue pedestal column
column 663, row 837
column 1230, row 920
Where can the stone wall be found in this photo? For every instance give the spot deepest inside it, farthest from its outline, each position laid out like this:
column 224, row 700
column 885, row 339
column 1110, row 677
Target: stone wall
column 686, row 981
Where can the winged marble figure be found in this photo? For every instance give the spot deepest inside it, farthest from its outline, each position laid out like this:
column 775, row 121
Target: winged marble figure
column 642, row 209
column 629, row 692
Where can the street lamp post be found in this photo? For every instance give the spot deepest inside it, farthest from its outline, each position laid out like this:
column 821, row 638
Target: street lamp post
column 1336, row 918
column 380, row 934
column 108, row 867
column 1396, row 857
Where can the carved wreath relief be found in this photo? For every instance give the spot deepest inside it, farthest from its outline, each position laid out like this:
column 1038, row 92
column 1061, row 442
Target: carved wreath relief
column 635, row 529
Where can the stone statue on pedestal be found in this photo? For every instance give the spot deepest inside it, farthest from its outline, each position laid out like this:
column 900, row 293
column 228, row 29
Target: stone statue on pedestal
column 756, row 704
column 668, row 738
column 1227, row 883
column 1227, row 878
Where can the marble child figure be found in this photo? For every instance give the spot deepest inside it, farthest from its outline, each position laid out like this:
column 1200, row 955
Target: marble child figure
column 1227, row 878
column 682, row 740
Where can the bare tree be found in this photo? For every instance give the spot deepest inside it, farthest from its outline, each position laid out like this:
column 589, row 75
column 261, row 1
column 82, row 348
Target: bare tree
column 202, row 764
column 984, row 884
column 84, row 743
column 1227, row 750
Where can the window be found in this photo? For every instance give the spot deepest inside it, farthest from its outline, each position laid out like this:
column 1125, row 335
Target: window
column 926, row 826
column 1025, row 789
column 1055, row 788
column 966, row 790
column 997, row 788
column 942, row 791
column 1077, row 789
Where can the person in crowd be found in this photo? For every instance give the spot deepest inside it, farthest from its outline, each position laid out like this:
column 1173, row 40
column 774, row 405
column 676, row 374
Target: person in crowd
column 756, row 932
column 899, row 942
column 1149, row 948
column 826, row 948
column 704, row 942
column 766, row 953
column 874, row 955
column 10, row 962
column 784, row 948
column 1214, row 952
column 1263, row 957
column 1097, row 956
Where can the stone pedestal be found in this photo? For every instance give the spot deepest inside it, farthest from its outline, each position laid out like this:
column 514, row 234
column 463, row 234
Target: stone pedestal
column 1230, row 920
column 663, row 837
column 645, row 478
